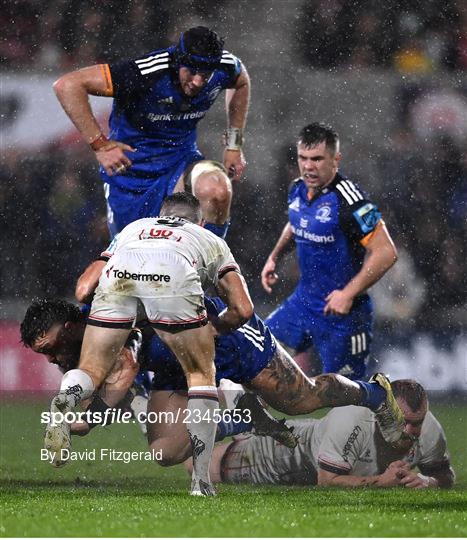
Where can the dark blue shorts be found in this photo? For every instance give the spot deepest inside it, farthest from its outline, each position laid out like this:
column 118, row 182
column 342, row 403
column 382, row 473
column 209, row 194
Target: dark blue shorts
column 341, row 343
column 130, row 198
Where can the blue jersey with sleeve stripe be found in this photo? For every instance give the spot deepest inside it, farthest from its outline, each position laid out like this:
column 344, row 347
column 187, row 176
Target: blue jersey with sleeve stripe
column 328, row 230
column 239, row 355
column 151, row 113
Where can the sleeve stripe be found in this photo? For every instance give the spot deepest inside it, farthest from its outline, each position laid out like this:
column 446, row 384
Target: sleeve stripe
column 349, row 192
column 164, row 55
column 364, row 241
column 154, row 62
column 354, row 189
column 344, row 194
column 109, row 90
column 332, row 468
column 152, row 69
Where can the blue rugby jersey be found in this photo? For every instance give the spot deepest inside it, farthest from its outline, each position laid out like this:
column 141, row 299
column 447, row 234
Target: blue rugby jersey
column 151, row 113
column 240, row 355
column 328, row 231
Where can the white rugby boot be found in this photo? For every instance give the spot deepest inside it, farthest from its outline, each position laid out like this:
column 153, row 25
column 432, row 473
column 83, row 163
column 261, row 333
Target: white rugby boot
column 57, row 439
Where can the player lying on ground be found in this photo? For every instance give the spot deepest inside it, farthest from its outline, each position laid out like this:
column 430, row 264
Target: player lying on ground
column 345, row 449
column 249, row 355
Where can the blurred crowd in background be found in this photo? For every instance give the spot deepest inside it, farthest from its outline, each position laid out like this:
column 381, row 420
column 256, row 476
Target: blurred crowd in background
column 52, row 210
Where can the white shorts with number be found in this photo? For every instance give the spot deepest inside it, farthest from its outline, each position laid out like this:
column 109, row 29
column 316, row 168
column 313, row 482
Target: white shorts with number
column 163, row 283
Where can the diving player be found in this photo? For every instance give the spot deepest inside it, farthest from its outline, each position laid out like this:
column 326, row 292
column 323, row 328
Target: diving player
column 345, row 449
column 158, row 100
column 343, row 248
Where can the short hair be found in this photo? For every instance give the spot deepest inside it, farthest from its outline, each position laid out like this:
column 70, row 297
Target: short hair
column 183, row 205
column 203, row 41
column 316, row 133
column 42, row 314
column 410, row 391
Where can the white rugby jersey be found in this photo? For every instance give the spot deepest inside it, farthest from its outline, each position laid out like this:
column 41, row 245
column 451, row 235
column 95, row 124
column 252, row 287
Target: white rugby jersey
column 342, row 442
column 207, row 253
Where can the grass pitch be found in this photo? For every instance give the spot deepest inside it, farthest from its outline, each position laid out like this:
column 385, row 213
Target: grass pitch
column 99, row 498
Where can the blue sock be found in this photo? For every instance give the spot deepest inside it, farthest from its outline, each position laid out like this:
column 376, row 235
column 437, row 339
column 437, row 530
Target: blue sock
column 218, row 230
column 373, row 394
column 228, row 429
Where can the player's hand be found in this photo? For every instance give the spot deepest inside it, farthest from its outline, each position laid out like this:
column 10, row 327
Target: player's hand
column 269, row 276
column 112, row 157
column 338, row 302
column 417, row 481
column 234, row 162
column 391, row 477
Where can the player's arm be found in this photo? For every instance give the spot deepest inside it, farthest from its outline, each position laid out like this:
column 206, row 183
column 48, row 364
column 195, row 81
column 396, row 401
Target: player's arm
column 73, row 90
column 433, row 476
column 233, row 290
column 387, row 479
column 88, row 281
column 268, row 274
column 237, row 101
column 381, row 254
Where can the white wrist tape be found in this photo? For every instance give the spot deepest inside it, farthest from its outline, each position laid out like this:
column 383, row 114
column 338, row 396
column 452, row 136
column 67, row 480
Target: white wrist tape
column 233, row 138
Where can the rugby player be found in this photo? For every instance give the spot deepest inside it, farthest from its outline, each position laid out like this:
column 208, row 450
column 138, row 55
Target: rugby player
column 161, row 265
column 158, row 100
column 345, row 449
column 249, row 355
column 343, row 248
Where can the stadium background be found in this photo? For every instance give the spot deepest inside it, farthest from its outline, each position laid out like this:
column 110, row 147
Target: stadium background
column 391, row 78
column 392, row 81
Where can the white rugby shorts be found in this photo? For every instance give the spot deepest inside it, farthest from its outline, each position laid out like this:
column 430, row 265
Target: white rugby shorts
column 163, row 282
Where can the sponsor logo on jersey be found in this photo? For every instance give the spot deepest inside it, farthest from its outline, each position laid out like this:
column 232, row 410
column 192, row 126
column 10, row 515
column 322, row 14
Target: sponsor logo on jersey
column 167, row 117
column 312, row 237
column 323, row 214
column 350, row 442
column 124, row 274
column 303, row 223
column 295, row 204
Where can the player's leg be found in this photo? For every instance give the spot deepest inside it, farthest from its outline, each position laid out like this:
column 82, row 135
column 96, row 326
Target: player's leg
column 215, row 469
column 168, row 435
column 194, row 348
column 208, row 181
column 285, row 387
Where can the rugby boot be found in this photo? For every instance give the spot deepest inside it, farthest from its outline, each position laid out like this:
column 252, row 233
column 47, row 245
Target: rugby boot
column 200, row 488
column 389, row 415
column 57, row 438
column 265, row 424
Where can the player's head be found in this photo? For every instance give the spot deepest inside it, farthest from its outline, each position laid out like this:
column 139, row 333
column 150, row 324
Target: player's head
column 318, row 155
column 197, row 55
column 54, row 328
column 413, row 401
column 182, row 205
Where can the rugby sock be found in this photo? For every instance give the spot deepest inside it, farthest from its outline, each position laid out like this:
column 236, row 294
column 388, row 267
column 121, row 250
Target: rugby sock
column 76, row 385
column 218, row 230
column 372, row 394
column 202, row 402
column 228, row 429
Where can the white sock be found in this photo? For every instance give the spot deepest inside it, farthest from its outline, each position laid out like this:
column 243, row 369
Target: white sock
column 232, row 392
column 202, row 402
column 76, row 385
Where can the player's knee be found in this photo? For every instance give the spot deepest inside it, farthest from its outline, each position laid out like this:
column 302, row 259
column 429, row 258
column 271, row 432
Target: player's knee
column 169, row 452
